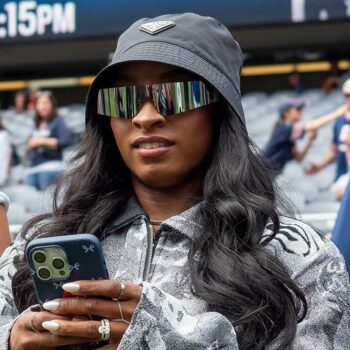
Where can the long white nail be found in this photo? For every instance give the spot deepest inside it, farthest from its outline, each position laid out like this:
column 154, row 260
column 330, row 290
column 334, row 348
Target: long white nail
column 51, row 305
column 51, row 326
column 71, row 287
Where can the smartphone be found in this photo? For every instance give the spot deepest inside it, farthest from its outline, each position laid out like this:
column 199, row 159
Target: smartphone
column 55, row 261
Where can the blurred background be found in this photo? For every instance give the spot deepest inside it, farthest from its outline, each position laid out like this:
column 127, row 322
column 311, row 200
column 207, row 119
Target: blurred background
column 292, row 49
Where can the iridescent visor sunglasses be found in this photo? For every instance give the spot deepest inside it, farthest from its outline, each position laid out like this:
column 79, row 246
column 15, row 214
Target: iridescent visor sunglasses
column 168, row 98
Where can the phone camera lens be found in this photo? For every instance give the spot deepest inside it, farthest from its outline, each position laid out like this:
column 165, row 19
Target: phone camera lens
column 39, row 257
column 58, row 263
column 44, row 273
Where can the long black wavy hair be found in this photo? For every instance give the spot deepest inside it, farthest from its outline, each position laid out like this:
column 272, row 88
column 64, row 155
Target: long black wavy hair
column 229, row 267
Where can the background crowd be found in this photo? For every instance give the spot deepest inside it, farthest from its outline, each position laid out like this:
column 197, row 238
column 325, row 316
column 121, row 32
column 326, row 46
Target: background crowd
column 38, row 137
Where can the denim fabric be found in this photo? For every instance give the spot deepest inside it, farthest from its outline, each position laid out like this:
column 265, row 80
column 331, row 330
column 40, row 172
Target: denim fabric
column 42, row 180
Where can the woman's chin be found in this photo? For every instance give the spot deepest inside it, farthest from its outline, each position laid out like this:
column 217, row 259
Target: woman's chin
column 158, row 180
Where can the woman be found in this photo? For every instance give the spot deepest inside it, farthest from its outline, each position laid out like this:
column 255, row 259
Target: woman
column 186, row 214
column 48, row 140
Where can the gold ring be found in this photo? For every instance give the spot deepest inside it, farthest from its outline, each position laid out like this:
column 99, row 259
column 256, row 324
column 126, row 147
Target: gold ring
column 32, row 326
column 122, row 290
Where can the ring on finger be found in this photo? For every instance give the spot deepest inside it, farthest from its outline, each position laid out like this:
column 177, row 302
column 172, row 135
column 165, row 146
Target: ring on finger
column 32, row 326
column 122, row 289
column 104, row 329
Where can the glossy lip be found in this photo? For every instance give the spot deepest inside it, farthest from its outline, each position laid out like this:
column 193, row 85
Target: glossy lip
column 151, row 139
column 152, row 152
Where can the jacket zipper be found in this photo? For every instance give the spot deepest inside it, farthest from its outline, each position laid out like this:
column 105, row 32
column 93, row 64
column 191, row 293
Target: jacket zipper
column 149, row 254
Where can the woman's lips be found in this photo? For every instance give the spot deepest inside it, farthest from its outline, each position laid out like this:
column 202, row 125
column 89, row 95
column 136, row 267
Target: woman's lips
column 151, row 150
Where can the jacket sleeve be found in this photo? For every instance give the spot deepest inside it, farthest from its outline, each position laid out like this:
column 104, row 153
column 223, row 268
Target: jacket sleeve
column 325, row 283
column 62, row 134
column 161, row 322
column 8, row 310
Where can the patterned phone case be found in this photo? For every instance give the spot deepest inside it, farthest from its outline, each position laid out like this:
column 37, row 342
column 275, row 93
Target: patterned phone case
column 85, row 262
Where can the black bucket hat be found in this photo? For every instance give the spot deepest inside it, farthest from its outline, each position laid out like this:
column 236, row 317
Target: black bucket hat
column 198, row 44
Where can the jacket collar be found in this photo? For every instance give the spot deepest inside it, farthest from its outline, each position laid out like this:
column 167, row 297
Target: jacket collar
column 186, row 222
column 131, row 211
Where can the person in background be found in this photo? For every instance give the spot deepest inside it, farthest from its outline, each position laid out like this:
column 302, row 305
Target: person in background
column 340, row 185
column 32, row 97
column 332, row 80
column 21, row 102
column 282, row 147
column 337, row 149
column 4, row 225
column 45, row 145
column 295, row 83
column 341, row 230
column 5, row 155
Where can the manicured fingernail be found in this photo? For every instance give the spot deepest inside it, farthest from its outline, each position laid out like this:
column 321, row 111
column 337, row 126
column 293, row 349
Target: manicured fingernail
column 71, row 287
column 51, row 305
column 51, row 326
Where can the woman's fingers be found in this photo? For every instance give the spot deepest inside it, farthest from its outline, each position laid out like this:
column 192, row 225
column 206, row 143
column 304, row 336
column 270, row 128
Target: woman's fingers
column 85, row 329
column 47, row 340
column 91, row 306
column 105, row 288
column 28, row 333
column 33, row 321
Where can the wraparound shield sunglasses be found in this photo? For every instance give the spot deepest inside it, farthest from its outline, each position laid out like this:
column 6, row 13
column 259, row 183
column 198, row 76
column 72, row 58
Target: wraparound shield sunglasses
column 168, row 98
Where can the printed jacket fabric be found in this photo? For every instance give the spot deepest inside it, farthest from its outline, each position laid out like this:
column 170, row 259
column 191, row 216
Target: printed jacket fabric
column 169, row 316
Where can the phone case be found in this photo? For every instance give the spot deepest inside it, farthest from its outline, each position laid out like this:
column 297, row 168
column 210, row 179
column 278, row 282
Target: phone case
column 85, row 262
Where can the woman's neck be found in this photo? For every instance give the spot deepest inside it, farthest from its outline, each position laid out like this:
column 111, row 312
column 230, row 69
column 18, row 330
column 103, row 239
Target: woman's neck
column 162, row 203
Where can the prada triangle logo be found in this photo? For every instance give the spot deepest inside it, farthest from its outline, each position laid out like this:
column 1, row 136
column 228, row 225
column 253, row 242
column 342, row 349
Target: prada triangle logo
column 156, row 27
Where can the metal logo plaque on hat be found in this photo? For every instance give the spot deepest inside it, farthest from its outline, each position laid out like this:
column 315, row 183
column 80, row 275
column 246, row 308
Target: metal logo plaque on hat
column 156, row 27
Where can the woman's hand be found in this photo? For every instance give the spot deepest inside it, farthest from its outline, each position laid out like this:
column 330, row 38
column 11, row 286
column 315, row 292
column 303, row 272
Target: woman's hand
column 314, row 168
column 28, row 334
column 38, row 141
column 104, row 299
column 34, row 142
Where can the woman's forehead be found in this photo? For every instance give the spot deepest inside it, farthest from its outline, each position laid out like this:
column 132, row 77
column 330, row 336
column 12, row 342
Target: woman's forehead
column 151, row 72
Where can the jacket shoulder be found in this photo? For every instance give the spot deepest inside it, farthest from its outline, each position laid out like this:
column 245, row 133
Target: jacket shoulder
column 294, row 238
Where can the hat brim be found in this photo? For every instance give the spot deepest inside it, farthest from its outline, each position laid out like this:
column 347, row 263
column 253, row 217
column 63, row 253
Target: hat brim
column 177, row 56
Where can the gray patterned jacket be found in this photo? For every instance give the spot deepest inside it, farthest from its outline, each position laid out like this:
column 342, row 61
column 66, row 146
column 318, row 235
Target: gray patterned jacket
column 169, row 316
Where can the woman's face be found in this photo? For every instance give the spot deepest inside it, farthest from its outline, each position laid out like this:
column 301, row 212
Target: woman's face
column 293, row 115
column 44, row 107
column 20, row 100
column 162, row 151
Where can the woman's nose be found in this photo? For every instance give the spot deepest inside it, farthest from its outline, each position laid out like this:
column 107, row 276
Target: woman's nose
column 148, row 116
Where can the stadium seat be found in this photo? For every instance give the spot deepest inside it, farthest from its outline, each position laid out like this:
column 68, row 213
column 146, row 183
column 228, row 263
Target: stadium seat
column 17, row 214
column 321, row 207
column 23, row 194
column 43, row 203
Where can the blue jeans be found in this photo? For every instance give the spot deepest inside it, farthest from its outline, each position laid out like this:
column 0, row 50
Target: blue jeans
column 42, row 180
